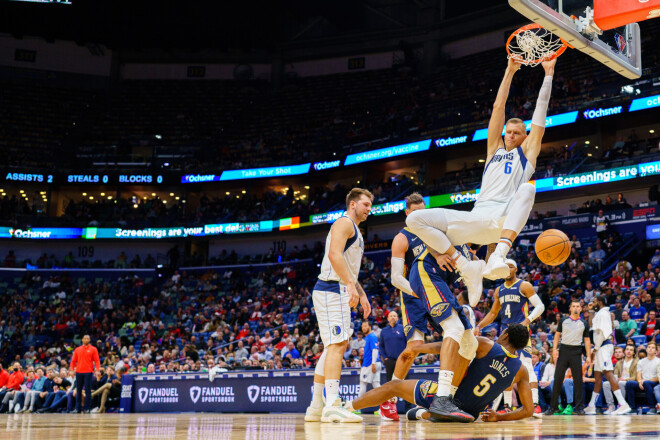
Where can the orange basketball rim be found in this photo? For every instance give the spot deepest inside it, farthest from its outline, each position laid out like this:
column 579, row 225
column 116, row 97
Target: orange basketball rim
column 533, row 44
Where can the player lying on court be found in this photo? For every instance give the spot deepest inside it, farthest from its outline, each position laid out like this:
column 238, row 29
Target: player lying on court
column 495, row 368
column 506, row 196
column 511, row 303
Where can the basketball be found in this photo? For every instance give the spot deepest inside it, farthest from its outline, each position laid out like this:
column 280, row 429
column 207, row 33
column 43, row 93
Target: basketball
column 552, row 247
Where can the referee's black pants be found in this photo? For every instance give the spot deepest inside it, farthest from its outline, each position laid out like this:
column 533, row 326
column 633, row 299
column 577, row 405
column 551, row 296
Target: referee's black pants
column 569, row 357
column 390, row 363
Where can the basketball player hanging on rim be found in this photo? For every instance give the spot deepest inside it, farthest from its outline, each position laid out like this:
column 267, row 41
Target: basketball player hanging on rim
column 511, row 302
column 336, row 292
column 506, row 198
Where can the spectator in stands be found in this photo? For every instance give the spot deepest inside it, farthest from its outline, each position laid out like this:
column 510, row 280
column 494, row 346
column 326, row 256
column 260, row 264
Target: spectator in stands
column 625, row 370
column 36, row 388
column 602, row 224
column 646, row 380
column 615, row 280
column 14, row 382
column 635, row 309
column 627, row 326
column 650, row 329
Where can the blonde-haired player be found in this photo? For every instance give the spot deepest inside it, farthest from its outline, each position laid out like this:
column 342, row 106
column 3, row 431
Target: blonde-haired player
column 337, row 291
column 505, row 199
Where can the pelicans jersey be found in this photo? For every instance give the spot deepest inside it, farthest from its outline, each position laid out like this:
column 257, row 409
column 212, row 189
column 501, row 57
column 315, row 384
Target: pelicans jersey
column 484, row 380
column 415, row 247
column 515, row 308
column 515, row 305
column 503, row 175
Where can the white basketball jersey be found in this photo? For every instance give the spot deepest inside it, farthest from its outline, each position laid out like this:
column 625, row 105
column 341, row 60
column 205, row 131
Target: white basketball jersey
column 503, row 175
column 352, row 256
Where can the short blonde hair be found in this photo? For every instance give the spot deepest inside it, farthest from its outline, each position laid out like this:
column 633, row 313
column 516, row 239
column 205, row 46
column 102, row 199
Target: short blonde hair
column 414, row 199
column 356, row 193
column 516, row 121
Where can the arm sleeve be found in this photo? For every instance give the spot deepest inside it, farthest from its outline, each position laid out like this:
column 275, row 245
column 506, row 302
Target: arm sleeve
column 539, row 308
column 560, row 325
column 398, row 280
column 538, row 118
column 585, row 334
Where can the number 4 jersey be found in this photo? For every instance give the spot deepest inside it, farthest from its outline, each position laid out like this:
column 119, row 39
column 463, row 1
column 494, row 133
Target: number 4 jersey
column 485, row 379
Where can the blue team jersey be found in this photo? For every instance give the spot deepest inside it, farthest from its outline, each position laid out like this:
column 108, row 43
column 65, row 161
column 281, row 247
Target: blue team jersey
column 448, row 276
column 484, row 380
column 371, row 344
column 515, row 305
column 415, row 247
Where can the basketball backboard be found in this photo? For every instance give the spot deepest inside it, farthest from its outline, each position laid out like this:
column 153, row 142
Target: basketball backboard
column 619, row 48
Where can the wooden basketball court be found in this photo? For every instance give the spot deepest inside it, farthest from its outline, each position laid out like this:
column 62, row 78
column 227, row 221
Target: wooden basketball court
column 291, row 426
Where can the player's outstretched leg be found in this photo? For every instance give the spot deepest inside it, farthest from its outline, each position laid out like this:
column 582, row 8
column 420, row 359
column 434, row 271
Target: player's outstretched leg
column 394, row 388
column 515, row 220
column 458, row 349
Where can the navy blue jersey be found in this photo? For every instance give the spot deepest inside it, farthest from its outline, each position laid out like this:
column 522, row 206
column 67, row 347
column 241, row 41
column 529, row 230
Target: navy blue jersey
column 448, row 276
column 484, row 380
column 515, row 305
column 415, row 247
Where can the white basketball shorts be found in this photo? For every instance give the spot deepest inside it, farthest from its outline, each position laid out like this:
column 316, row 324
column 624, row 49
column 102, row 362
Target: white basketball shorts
column 332, row 312
column 603, row 359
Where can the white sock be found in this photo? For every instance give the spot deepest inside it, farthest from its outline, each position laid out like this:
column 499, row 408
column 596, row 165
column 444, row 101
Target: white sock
column 452, row 390
column 331, row 391
column 503, row 247
column 444, row 383
column 594, row 396
column 349, row 406
column 317, row 396
column 619, row 397
column 419, row 413
column 535, row 396
column 508, row 398
column 395, row 378
column 460, row 261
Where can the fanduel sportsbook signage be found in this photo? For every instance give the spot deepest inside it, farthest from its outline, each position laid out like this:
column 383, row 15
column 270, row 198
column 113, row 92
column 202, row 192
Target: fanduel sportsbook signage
column 246, row 392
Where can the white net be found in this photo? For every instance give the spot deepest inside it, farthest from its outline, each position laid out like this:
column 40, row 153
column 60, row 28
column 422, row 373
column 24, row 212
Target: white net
column 532, row 46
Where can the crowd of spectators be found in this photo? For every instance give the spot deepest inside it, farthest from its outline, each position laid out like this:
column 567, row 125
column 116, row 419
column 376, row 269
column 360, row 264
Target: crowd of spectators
column 262, row 317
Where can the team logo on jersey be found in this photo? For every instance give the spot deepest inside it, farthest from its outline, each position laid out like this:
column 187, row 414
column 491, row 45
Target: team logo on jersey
column 407, row 329
column 424, row 387
column 439, row 309
column 336, row 330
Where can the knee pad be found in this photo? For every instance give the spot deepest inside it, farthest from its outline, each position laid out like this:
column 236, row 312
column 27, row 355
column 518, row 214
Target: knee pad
column 422, row 217
column 320, row 365
column 526, row 192
column 452, row 327
column 468, row 345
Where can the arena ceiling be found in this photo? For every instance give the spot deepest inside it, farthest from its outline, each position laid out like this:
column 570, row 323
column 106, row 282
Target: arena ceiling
column 248, row 26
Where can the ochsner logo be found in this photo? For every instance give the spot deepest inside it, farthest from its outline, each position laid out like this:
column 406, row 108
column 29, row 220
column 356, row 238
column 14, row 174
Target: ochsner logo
column 272, row 394
column 463, row 198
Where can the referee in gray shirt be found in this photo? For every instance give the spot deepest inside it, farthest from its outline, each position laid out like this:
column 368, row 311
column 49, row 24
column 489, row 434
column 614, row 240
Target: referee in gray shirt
column 572, row 333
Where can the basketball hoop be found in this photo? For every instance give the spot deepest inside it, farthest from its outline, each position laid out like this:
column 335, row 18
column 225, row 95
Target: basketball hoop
column 533, row 44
